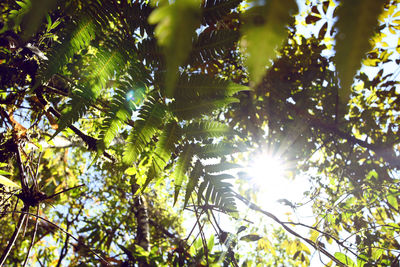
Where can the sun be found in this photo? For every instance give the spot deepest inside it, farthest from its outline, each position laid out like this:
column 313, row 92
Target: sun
column 268, row 175
column 264, row 168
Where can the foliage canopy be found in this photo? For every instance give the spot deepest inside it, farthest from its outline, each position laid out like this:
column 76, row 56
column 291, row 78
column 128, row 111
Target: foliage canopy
column 119, row 118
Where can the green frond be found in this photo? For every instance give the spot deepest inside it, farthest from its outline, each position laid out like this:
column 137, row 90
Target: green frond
column 103, row 67
column 215, row 10
column 194, row 109
column 15, row 16
column 206, row 129
column 77, row 35
column 129, row 94
column 150, row 52
column 164, row 148
column 176, row 26
column 215, row 150
column 220, row 167
column 150, row 118
column 198, row 86
column 120, row 111
column 136, row 15
column 194, row 177
column 75, row 110
column 218, row 191
column 211, row 45
column 182, row 167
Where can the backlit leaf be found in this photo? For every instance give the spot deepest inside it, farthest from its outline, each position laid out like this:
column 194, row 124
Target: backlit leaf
column 264, row 31
column 356, row 23
column 7, row 182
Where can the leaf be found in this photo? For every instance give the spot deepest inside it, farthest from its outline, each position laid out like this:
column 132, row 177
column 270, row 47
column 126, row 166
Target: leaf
column 220, row 167
column 393, row 201
column 344, row 259
column 150, row 118
column 356, row 22
column 250, row 238
column 181, row 168
column 264, row 30
column 241, row 229
column 199, row 86
column 7, row 182
column 165, row 147
column 215, row 10
column 210, row 243
column 202, row 130
column 176, row 25
column 4, row 172
column 193, row 180
column 195, row 109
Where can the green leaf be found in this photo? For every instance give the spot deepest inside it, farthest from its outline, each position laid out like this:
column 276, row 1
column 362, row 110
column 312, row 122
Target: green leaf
column 241, row 229
column 4, row 172
column 250, row 238
column 181, row 168
column 393, row 201
column 206, row 129
column 164, row 148
column 150, row 118
column 344, row 259
column 194, row 109
column 7, row 182
column 210, row 243
column 199, row 86
column 356, row 23
column 220, row 167
column 193, row 180
column 264, row 31
column 176, row 26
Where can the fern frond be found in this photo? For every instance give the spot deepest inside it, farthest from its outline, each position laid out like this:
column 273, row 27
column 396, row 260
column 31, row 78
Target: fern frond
column 215, row 10
column 104, row 66
column 129, row 94
column 206, row 129
column 215, row 150
column 77, row 35
column 120, row 111
column 181, row 168
column 15, row 16
column 212, row 45
column 198, row 86
column 150, row 53
column 218, row 191
column 195, row 109
column 150, row 118
column 164, row 148
column 194, row 177
column 166, row 144
column 220, row 167
column 75, row 110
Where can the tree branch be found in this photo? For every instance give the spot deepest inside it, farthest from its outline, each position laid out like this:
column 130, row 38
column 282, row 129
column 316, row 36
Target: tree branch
column 288, row 229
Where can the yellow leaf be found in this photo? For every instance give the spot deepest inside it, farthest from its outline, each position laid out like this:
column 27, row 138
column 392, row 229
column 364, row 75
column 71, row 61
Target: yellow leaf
column 7, row 182
column 314, row 235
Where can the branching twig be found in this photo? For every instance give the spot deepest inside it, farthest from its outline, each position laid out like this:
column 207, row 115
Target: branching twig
column 61, row 229
column 14, row 236
column 33, row 237
column 288, row 229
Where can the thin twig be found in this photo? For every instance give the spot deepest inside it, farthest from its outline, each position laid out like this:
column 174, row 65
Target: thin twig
column 33, row 237
column 288, row 229
column 61, row 229
column 14, row 235
column 63, row 191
